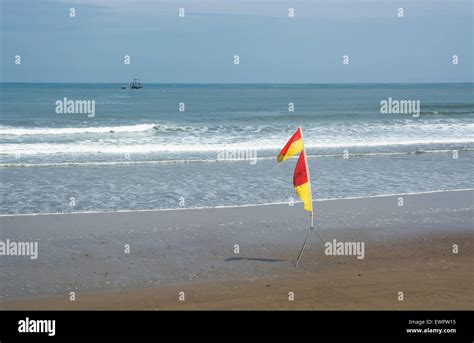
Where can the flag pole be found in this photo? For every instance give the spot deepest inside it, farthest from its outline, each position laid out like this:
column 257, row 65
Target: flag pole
column 311, row 226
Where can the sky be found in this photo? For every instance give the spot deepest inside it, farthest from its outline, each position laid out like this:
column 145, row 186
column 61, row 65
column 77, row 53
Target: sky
column 272, row 47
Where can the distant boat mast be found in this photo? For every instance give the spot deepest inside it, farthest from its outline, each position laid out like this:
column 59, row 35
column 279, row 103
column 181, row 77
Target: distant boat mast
column 136, row 84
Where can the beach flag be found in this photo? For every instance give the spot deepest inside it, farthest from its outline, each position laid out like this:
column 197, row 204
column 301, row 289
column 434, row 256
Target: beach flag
column 301, row 179
column 293, row 147
column 301, row 183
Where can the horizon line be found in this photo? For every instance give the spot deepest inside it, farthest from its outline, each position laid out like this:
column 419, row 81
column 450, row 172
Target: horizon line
column 245, row 83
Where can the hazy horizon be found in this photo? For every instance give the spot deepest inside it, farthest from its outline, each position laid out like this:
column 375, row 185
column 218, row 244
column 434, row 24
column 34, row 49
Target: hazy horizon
column 247, row 83
column 273, row 48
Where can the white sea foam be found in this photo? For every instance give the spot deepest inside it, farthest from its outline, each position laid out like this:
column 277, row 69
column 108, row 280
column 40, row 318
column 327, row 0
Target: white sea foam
column 184, row 161
column 14, row 131
column 432, row 126
column 235, row 206
column 116, row 147
column 172, row 138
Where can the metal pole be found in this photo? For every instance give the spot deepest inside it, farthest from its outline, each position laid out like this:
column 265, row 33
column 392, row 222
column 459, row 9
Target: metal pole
column 311, row 226
column 302, row 248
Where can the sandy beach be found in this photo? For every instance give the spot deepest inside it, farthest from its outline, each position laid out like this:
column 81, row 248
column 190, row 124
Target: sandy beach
column 143, row 260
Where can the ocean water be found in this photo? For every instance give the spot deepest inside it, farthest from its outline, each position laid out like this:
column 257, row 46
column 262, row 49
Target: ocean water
column 139, row 151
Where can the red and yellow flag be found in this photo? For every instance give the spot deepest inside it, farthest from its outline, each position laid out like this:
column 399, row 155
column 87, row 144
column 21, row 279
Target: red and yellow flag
column 301, row 180
column 301, row 183
column 293, row 147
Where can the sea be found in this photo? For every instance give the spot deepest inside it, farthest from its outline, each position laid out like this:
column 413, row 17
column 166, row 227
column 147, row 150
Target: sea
column 169, row 146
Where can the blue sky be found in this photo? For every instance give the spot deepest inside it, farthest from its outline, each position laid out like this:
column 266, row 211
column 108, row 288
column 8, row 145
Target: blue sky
column 199, row 48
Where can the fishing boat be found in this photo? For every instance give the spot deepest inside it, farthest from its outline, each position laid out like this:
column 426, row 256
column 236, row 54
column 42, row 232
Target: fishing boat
column 136, row 84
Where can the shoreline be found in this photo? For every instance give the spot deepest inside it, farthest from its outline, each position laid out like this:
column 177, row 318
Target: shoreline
column 408, row 248
column 233, row 206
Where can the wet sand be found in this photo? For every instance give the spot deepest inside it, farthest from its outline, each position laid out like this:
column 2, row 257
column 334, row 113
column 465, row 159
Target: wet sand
column 408, row 249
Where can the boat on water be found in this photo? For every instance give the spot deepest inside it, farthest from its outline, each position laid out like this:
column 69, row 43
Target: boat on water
column 136, row 84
